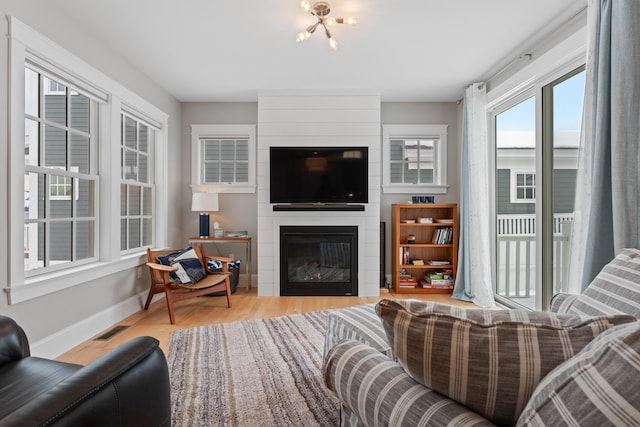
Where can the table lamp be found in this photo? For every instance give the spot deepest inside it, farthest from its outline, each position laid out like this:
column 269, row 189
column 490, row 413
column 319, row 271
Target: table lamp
column 204, row 203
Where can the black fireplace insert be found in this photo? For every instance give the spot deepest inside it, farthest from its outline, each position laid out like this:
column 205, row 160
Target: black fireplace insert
column 318, row 260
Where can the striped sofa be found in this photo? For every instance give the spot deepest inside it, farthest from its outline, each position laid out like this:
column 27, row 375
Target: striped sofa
column 597, row 384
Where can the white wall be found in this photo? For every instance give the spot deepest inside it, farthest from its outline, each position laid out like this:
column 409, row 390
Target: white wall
column 57, row 321
column 318, row 118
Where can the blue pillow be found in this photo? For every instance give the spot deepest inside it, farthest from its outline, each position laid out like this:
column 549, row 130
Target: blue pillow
column 216, row 265
column 168, row 258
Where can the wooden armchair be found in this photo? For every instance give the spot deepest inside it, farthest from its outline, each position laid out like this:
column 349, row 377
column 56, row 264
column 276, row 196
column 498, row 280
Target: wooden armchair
column 161, row 281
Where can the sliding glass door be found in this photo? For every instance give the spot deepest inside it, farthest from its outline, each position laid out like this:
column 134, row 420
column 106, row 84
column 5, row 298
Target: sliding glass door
column 565, row 98
column 536, row 138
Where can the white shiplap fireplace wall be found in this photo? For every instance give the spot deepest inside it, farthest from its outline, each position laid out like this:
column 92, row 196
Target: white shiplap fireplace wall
column 318, row 118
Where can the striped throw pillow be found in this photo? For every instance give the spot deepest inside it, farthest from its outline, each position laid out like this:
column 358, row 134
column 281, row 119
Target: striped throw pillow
column 489, row 360
column 597, row 387
column 615, row 290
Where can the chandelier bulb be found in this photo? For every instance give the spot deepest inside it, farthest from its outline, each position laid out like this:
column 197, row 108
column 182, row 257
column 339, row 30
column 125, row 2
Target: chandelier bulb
column 333, row 43
column 350, row 21
column 306, row 5
column 330, row 22
column 302, row 36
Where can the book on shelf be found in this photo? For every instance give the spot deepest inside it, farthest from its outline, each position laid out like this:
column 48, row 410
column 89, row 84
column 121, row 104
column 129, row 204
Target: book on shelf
column 417, row 262
column 405, row 275
column 438, row 262
column 405, row 255
column 409, row 283
column 426, row 286
column 412, row 285
column 436, row 283
column 442, row 236
column 407, row 280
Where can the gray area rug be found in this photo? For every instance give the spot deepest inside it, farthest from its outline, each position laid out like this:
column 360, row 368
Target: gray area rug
column 264, row 372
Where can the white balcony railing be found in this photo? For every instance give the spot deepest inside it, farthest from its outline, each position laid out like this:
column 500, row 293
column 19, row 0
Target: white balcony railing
column 516, row 254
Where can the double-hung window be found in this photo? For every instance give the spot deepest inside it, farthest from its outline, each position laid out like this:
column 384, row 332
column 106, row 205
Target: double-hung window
column 86, row 162
column 136, row 187
column 414, row 158
column 60, row 173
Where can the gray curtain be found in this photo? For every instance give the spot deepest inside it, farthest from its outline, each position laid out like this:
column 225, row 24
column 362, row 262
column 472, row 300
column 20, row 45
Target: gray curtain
column 612, row 125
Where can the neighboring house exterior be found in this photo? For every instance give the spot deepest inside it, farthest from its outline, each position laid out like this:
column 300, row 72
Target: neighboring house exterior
column 516, row 210
column 62, row 193
column 515, row 173
column 564, row 184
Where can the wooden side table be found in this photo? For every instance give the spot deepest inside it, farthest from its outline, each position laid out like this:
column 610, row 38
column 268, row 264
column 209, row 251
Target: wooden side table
column 245, row 239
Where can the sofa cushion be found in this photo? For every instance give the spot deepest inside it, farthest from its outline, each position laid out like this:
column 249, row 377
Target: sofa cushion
column 488, row 360
column 375, row 391
column 358, row 323
column 598, row 386
column 615, row 290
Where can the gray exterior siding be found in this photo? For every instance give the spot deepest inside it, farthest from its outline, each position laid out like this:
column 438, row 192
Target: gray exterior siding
column 55, row 154
column 564, row 185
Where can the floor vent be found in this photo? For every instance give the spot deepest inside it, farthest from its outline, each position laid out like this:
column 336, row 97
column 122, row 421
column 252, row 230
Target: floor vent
column 111, row 333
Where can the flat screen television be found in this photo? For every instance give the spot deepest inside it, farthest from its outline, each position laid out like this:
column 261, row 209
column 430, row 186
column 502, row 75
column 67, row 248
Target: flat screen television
column 319, row 175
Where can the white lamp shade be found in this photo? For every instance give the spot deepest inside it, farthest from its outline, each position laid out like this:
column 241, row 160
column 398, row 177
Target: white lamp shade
column 204, row 202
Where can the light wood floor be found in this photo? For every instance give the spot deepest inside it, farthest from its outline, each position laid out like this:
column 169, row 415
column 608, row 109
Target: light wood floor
column 211, row 310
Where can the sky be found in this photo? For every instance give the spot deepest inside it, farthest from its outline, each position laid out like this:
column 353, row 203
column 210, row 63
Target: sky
column 568, row 100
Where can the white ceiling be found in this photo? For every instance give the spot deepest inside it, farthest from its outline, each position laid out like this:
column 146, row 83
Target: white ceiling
column 407, row 50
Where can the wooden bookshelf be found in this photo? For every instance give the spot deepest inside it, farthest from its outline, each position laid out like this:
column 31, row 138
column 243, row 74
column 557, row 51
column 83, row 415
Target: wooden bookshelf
column 406, row 222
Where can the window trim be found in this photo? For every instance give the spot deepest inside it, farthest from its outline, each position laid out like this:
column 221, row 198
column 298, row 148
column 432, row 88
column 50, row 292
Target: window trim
column 390, row 132
column 27, row 45
column 216, row 131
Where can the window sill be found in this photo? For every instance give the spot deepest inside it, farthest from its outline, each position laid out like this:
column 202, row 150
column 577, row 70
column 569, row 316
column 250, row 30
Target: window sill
column 240, row 188
column 414, row 188
column 224, row 188
column 45, row 284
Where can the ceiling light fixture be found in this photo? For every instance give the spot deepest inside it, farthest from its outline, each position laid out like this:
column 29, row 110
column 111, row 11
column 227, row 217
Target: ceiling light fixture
column 320, row 10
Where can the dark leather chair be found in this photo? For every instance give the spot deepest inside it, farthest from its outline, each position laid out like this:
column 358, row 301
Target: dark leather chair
column 129, row 386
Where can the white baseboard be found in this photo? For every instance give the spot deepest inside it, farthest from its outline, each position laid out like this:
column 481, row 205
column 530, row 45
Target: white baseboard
column 69, row 337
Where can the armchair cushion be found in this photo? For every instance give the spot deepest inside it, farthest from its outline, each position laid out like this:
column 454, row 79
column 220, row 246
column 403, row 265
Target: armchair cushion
column 488, row 360
column 599, row 386
column 189, row 268
column 13, row 341
column 25, row 385
column 129, row 385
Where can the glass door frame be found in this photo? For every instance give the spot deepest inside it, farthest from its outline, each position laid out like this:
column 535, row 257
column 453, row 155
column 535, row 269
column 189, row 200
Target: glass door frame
column 540, row 87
